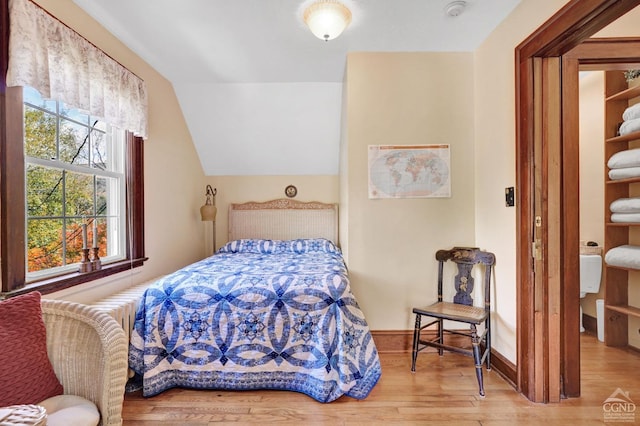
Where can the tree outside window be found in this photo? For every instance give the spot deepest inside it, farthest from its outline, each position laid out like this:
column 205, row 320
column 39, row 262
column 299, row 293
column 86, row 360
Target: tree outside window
column 74, row 176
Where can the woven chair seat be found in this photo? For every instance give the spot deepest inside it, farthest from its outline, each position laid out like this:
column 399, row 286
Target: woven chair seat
column 453, row 311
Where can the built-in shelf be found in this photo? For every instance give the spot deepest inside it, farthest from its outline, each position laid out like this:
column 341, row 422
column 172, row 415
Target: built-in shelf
column 624, row 138
column 617, row 280
column 623, row 181
column 626, row 309
column 629, row 93
column 622, row 268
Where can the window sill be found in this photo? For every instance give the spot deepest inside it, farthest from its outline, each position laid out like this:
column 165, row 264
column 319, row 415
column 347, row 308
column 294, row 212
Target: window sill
column 51, row 285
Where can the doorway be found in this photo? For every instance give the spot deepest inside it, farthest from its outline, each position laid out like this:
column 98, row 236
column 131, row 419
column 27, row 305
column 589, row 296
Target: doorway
column 548, row 215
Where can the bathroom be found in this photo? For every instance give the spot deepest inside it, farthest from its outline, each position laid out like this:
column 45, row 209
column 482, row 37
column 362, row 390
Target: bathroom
column 592, row 208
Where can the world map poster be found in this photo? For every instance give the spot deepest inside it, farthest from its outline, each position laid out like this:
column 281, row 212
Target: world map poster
column 409, row 171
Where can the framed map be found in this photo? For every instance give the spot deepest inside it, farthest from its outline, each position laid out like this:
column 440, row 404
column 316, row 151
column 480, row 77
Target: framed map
column 409, row 171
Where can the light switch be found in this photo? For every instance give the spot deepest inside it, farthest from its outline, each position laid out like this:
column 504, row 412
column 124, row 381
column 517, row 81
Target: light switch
column 509, row 197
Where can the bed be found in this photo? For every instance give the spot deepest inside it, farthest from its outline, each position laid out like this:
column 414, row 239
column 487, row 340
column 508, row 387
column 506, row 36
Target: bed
column 272, row 309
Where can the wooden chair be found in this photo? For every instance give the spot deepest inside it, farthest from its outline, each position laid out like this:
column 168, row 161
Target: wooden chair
column 461, row 310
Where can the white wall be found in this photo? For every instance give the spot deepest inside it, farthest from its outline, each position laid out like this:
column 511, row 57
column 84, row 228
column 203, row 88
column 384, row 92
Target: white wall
column 174, row 181
column 273, row 128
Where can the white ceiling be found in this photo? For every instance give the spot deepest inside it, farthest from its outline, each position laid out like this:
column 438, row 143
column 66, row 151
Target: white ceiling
column 204, row 43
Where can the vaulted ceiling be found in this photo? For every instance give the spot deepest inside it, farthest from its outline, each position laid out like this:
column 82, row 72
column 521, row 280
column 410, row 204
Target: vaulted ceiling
column 244, row 61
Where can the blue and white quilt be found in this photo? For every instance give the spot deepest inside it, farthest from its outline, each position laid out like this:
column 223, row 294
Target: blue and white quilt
column 260, row 314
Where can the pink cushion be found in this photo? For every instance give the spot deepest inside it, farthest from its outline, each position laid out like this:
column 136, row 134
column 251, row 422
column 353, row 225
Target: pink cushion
column 26, row 374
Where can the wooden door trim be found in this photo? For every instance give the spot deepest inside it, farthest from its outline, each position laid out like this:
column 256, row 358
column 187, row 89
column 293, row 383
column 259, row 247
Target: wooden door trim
column 552, row 224
column 610, row 53
column 576, row 21
column 570, row 236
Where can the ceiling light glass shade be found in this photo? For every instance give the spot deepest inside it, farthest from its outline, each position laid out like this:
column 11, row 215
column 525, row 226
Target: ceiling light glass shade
column 327, row 19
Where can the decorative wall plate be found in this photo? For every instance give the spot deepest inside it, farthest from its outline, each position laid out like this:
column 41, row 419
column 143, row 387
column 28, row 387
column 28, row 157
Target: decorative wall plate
column 291, row 191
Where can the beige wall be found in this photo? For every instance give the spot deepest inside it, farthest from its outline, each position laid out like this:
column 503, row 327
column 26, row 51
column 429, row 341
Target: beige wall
column 174, row 180
column 466, row 100
column 240, row 189
column 592, row 169
column 495, row 149
column 405, row 99
column 494, row 82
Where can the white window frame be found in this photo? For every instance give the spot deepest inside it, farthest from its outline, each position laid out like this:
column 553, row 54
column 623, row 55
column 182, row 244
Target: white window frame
column 116, row 204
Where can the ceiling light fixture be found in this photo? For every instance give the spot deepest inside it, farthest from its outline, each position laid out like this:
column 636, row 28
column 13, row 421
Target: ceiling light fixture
column 327, row 19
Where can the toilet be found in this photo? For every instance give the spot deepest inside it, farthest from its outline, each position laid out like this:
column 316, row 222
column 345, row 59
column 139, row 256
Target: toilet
column 590, row 276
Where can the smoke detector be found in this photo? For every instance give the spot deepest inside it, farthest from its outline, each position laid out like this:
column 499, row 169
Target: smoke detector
column 455, row 8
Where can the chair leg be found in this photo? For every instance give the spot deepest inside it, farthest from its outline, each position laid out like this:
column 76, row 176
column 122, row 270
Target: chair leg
column 476, row 357
column 416, row 341
column 488, row 343
column 440, row 337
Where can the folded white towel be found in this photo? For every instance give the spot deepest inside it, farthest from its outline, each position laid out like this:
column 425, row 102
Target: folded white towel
column 625, row 217
column 624, row 173
column 626, row 158
column 629, row 126
column 625, row 205
column 632, row 112
column 626, row 256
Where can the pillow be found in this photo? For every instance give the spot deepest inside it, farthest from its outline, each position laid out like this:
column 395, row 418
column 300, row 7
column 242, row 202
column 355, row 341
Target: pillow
column 258, row 246
column 312, row 245
column 249, row 246
column 26, row 376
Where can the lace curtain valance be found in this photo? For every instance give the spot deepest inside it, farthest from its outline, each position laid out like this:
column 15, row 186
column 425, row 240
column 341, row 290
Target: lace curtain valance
column 52, row 58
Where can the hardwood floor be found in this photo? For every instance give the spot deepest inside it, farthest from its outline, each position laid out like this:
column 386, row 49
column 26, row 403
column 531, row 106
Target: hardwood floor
column 443, row 391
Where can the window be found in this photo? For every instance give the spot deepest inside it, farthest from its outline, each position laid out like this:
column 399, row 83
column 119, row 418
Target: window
column 53, row 183
column 99, row 180
column 75, row 187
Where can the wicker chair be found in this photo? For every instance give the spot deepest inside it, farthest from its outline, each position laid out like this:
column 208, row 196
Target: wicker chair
column 88, row 350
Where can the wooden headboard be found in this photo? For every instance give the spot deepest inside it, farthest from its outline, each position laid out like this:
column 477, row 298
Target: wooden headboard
column 283, row 219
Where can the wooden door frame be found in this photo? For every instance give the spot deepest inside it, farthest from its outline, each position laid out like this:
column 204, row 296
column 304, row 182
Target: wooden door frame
column 538, row 362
